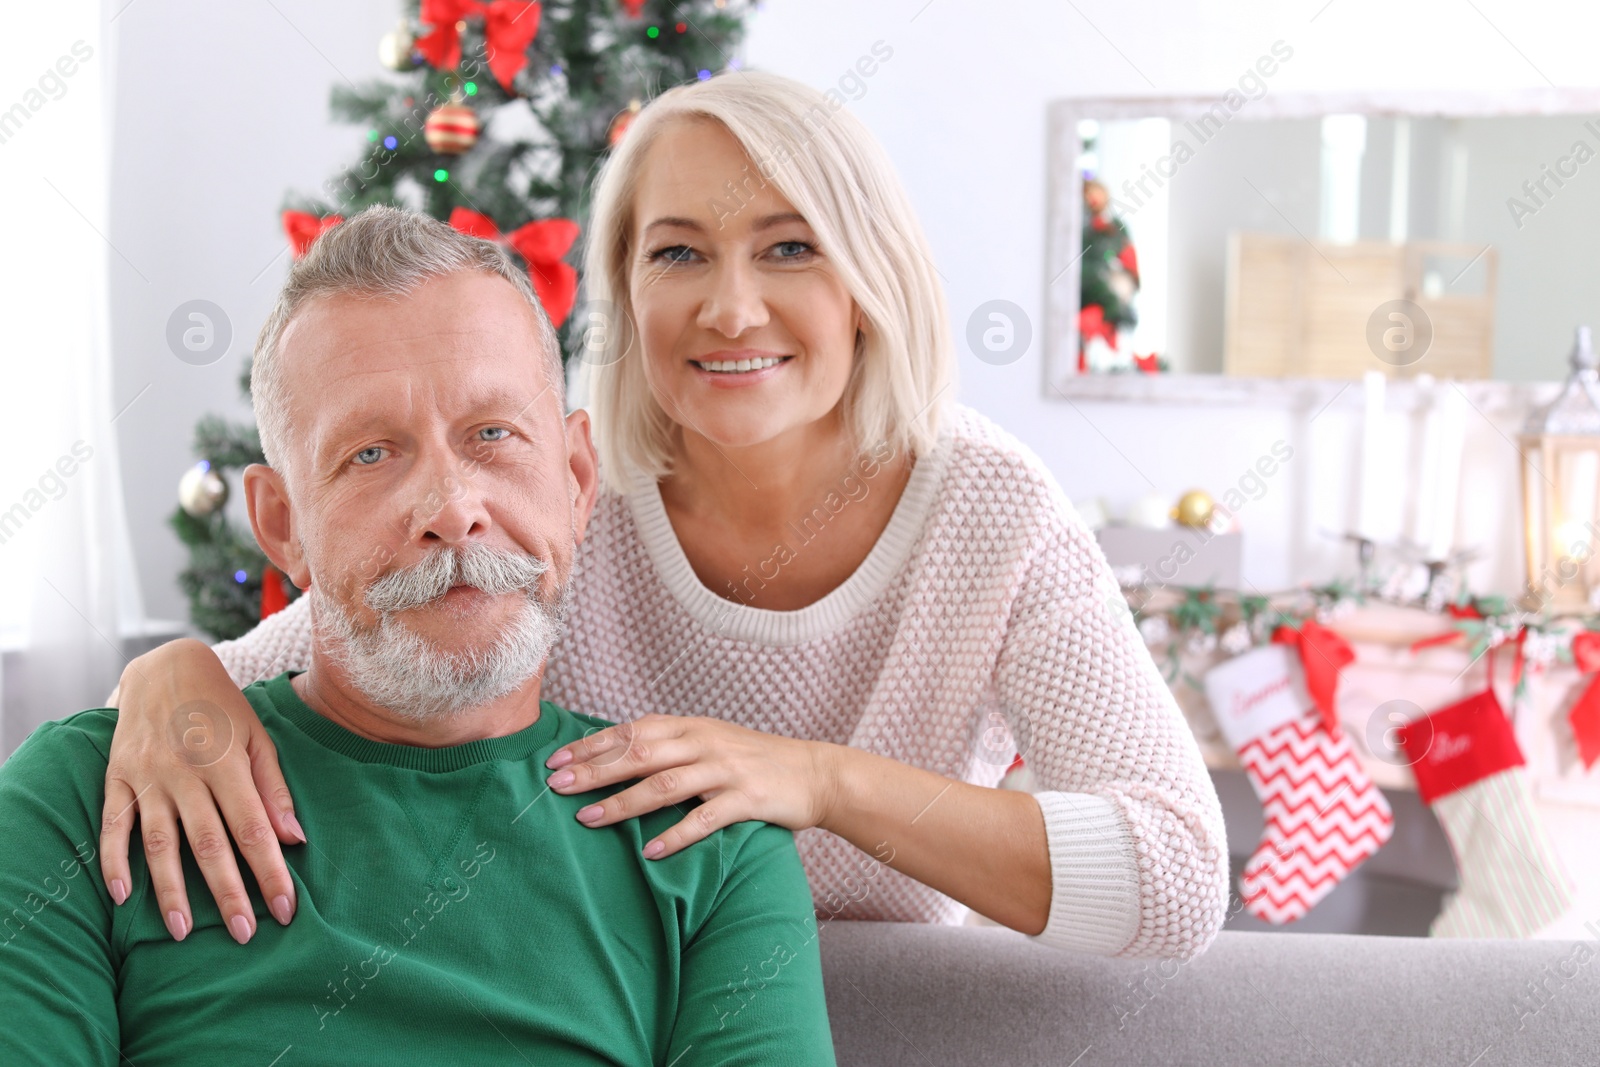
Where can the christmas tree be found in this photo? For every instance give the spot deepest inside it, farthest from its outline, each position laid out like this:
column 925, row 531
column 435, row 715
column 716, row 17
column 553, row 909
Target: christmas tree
column 497, row 122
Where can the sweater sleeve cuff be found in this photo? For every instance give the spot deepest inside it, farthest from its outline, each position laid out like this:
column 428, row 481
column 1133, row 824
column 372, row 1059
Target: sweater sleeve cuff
column 1094, row 874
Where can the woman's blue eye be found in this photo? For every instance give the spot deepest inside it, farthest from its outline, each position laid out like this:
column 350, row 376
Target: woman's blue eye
column 369, row 456
column 803, row 246
column 500, row 433
column 672, row 254
column 786, row 250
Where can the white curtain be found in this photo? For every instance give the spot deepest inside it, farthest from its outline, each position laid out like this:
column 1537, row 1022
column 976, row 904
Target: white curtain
column 68, row 592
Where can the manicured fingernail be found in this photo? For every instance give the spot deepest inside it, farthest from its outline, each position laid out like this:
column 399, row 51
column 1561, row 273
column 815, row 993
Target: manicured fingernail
column 562, row 779
column 294, row 826
column 560, row 759
column 654, row 849
column 281, row 910
column 239, row 926
column 591, row 813
column 119, row 892
column 176, row 926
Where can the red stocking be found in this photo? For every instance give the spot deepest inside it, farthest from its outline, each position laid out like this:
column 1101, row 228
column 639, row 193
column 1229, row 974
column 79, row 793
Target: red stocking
column 1324, row 816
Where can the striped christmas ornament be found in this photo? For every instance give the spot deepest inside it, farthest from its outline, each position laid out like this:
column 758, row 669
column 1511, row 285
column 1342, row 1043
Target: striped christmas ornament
column 451, row 129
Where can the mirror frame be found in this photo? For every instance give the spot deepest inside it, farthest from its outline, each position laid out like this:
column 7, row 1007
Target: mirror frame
column 1064, row 206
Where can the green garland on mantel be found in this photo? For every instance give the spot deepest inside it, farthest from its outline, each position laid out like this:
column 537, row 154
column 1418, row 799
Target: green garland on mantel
column 1206, row 617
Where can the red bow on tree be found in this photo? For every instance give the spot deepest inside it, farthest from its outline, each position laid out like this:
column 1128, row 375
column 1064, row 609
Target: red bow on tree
column 1129, row 260
column 1092, row 323
column 633, row 7
column 1585, row 714
column 302, row 229
column 542, row 244
column 509, row 26
column 1323, row 654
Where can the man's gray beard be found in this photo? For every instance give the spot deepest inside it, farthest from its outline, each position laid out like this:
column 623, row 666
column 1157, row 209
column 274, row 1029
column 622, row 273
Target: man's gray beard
column 402, row 672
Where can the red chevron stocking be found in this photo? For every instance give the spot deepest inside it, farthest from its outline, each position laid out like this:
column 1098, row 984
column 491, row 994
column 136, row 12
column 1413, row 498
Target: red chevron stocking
column 1324, row 816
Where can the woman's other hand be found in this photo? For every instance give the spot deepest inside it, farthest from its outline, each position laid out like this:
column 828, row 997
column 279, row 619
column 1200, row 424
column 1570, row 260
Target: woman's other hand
column 739, row 773
column 189, row 748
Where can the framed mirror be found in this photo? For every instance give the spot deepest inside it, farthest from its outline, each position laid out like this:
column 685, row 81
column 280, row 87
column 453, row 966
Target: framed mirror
column 1226, row 243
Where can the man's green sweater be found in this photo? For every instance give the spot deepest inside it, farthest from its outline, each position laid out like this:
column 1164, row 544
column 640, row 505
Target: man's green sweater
column 451, row 910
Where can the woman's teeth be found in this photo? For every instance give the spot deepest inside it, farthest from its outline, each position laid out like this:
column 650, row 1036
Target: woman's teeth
column 739, row 366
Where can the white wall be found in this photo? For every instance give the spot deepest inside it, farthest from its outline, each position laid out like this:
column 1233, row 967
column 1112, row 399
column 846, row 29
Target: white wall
column 223, row 107
column 220, row 109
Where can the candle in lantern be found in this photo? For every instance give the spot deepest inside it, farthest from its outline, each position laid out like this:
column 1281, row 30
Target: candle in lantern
column 1447, row 426
column 1580, row 475
column 1374, row 464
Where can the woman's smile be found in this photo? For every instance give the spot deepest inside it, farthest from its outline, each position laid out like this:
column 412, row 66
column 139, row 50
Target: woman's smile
column 732, row 369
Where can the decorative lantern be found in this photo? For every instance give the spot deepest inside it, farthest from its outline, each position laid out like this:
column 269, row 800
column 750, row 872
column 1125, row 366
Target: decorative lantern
column 1561, row 490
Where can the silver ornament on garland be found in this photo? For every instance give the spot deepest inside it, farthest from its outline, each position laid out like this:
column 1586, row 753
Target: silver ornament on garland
column 1236, row 639
column 1155, row 630
column 395, row 47
column 201, row 490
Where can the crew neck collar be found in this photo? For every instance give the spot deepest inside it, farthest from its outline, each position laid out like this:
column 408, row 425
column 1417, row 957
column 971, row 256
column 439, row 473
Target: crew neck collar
column 330, row 735
column 764, row 626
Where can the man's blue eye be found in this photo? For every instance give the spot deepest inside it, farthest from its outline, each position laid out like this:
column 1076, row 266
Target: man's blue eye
column 368, row 456
column 500, row 433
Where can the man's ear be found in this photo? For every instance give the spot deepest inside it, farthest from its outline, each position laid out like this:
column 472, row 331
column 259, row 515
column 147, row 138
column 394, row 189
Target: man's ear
column 273, row 522
column 584, row 470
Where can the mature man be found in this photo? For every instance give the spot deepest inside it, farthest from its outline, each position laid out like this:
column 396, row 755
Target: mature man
column 426, row 490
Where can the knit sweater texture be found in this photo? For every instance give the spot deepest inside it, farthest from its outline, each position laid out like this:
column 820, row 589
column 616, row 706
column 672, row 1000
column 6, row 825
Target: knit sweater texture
column 984, row 623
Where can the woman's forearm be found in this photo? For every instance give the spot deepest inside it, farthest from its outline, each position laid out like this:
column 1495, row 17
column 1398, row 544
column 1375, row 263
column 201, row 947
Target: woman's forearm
column 983, row 847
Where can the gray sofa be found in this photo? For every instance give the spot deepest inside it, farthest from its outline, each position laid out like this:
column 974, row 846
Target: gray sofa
column 971, row 996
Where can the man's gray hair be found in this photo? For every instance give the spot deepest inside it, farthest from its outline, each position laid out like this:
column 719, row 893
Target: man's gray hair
column 385, row 252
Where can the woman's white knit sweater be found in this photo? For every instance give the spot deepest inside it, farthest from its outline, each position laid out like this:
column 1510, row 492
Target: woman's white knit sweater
column 983, row 623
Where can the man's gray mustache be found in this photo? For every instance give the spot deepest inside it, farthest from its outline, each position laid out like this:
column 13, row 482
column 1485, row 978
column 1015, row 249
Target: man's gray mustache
column 495, row 571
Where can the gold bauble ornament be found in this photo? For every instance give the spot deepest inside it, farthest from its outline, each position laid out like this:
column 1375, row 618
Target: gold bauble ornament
column 394, row 47
column 1195, row 508
column 201, row 490
column 622, row 120
column 451, row 129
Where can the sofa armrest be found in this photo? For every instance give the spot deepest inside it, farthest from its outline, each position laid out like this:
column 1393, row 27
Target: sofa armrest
column 929, row 996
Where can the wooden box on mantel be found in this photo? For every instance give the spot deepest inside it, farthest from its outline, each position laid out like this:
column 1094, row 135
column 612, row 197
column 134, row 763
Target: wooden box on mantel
column 1176, row 555
column 1298, row 308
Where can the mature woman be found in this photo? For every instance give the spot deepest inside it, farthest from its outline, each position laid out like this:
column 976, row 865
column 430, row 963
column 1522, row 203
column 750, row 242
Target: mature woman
column 815, row 593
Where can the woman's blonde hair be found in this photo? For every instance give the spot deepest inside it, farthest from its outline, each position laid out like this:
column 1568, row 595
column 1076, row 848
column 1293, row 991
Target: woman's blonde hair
column 826, row 163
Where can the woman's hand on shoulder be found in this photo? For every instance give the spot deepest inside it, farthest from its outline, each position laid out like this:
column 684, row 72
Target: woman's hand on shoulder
column 739, row 773
column 188, row 748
